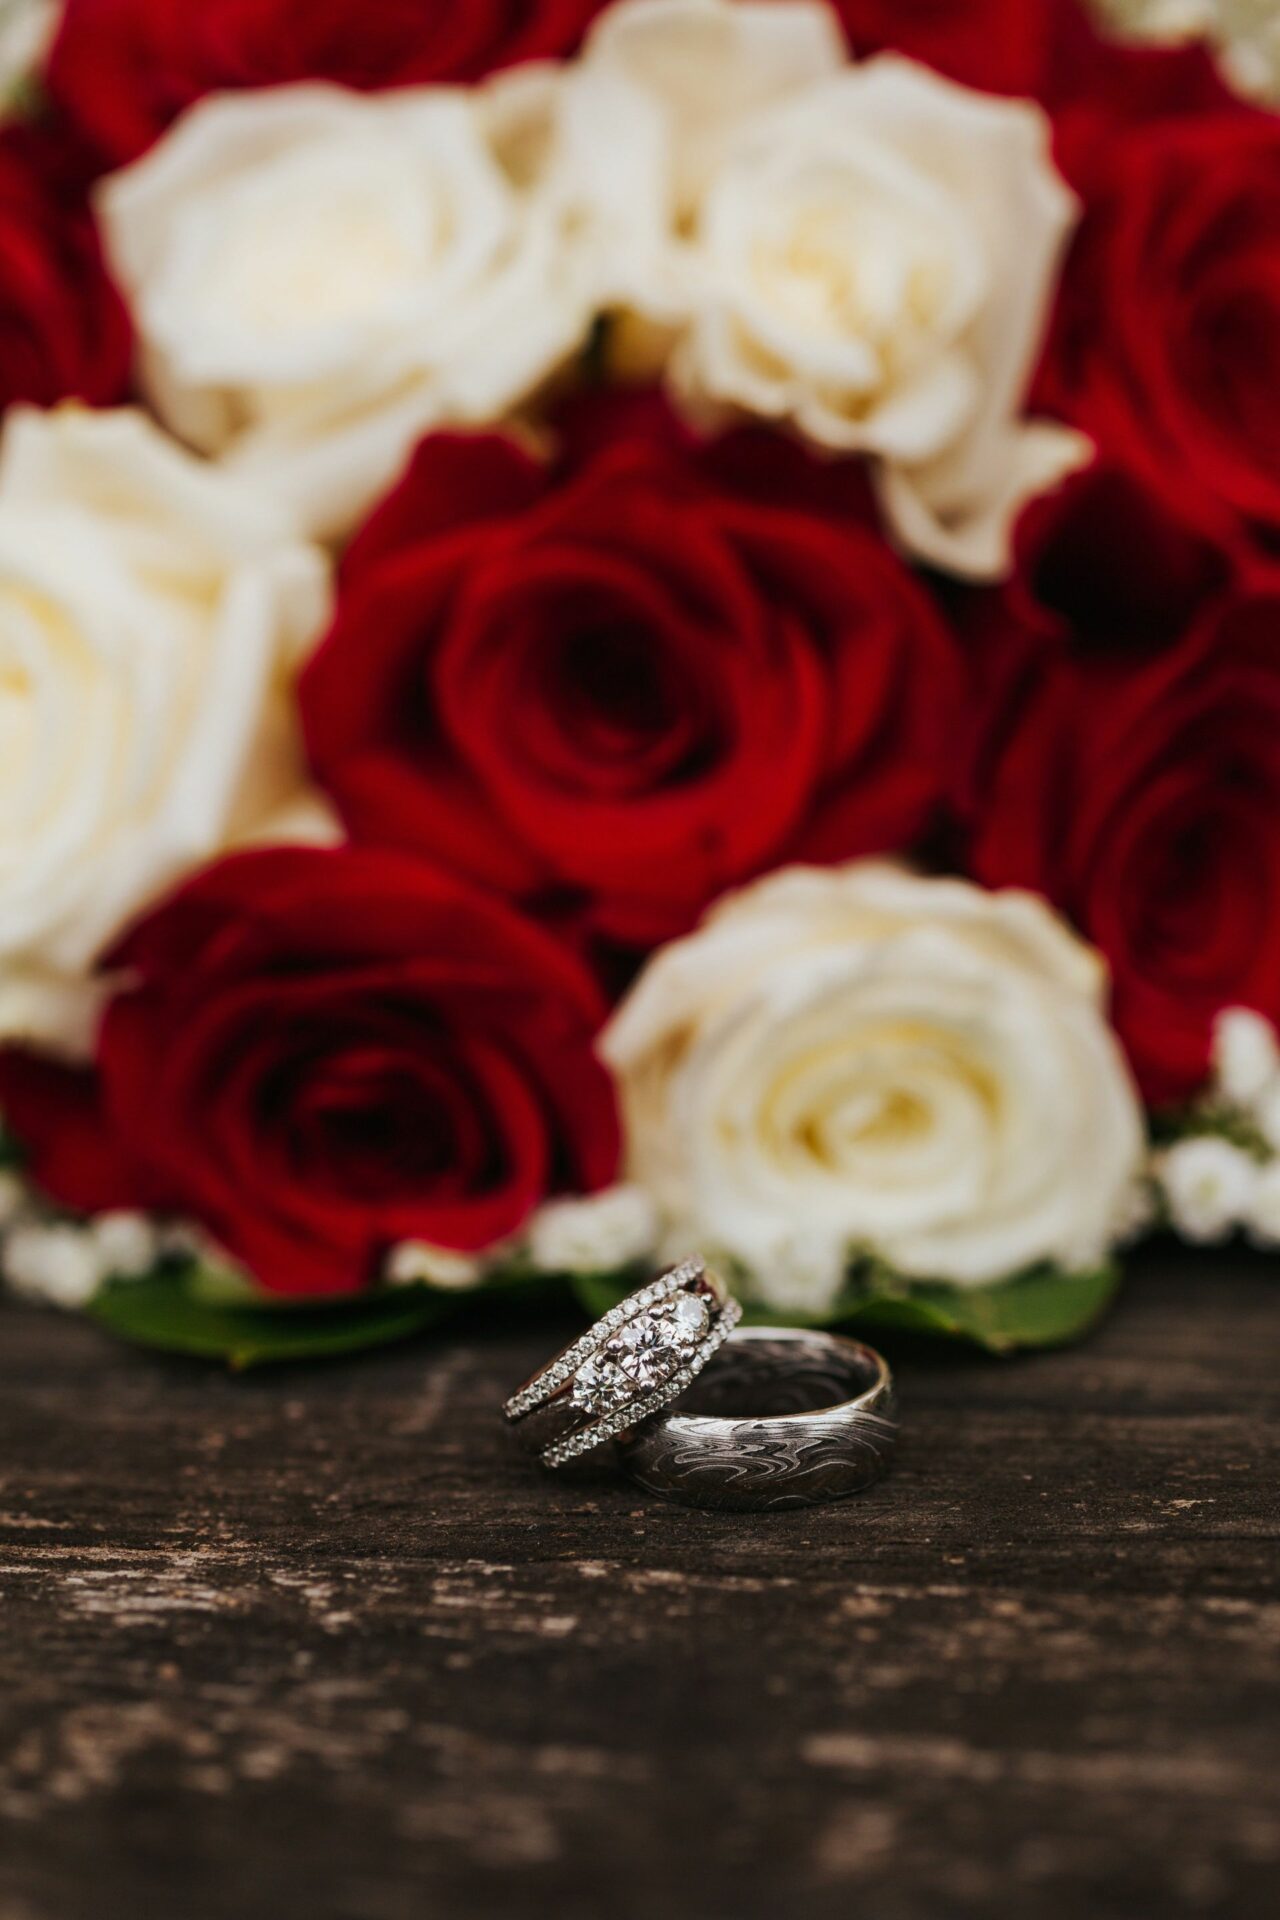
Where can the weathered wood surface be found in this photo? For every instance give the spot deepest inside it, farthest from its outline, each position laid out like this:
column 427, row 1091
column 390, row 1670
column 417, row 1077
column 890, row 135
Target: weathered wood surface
column 321, row 1646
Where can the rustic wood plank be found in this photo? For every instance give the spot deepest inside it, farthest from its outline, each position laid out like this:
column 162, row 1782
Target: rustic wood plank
column 322, row 1644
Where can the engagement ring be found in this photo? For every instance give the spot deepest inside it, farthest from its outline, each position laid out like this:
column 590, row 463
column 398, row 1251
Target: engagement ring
column 632, row 1363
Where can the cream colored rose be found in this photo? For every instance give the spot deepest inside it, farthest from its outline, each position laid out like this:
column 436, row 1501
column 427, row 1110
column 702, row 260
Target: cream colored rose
column 876, row 1062
column 152, row 613
column 706, row 66
column 866, row 251
column 318, row 277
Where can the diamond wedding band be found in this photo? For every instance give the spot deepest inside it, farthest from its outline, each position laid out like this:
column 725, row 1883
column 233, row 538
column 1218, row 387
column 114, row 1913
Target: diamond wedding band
column 630, row 1365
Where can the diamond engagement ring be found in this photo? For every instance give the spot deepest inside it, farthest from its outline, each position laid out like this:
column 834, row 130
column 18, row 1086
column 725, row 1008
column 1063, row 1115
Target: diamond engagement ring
column 631, row 1364
column 784, row 1417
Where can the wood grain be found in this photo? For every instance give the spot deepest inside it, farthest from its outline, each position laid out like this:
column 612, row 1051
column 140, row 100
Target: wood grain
column 324, row 1646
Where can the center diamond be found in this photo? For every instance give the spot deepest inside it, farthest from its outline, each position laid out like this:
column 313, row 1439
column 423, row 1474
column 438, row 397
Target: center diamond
column 641, row 1355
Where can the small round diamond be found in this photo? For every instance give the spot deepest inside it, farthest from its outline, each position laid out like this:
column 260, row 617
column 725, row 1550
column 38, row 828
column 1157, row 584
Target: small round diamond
column 600, row 1384
column 689, row 1313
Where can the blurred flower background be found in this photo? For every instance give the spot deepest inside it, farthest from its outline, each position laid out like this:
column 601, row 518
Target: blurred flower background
column 628, row 630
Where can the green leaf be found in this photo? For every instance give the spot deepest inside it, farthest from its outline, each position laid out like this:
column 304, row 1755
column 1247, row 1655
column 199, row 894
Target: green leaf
column 1041, row 1308
column 186, row 1311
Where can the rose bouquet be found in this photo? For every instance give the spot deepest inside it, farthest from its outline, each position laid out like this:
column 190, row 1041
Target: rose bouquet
column 624, row 631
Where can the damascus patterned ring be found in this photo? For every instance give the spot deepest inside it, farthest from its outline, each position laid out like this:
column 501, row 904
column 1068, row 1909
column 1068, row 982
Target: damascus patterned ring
column 783, row 1417
column 631, row 1364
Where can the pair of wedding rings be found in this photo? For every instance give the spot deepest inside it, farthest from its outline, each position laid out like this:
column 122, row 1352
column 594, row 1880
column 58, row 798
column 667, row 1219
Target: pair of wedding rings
column 767, row 1416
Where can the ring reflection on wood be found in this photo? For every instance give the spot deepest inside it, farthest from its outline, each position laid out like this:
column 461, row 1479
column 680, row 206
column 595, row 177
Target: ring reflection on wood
column 780, row 1417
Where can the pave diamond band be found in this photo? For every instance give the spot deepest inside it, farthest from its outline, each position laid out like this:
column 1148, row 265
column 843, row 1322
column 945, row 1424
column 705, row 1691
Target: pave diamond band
column 629, row 1365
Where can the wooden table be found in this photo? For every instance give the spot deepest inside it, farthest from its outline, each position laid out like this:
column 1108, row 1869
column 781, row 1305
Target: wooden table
column 320, row 1645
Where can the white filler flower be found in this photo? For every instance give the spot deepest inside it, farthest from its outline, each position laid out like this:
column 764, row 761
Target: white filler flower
column 1246, row 1056
column 867, row 251
column 596, row 1234
column 416, row 1263
column 320, row 276
column 912, row 1067
column 1209, row 1185
column 152, row 614
column 58, row 1265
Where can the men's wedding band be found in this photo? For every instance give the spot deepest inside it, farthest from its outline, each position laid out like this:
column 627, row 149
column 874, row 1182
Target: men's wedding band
column 783, row 1417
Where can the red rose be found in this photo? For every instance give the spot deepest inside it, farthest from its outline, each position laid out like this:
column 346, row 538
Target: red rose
column 64, row 333
column 1167, row 344
column 621, row 682
column 327, row 1052
column 124, row 69
column 1129, row 765
column 1001, row 46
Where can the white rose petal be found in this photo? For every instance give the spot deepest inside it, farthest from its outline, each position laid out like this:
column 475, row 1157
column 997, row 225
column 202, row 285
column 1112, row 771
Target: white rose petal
column 1246, row 1056
column 59, row 1265
column 152, row 617
column 414, row 1263
column 597, row 1234
column 320, row 276
column 910, row 1066
column 1209, row 1185
column 708, row 64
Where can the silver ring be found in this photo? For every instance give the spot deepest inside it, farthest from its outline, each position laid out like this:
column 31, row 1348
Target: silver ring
column 785, row 1417
column 631, row 1363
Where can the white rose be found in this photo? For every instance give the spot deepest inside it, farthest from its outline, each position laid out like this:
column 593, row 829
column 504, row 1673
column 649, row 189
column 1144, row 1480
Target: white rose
column 911, row 1067
column 319, row 276
column 152, row 614
column 705, row 65
column 1209, row 1185
column 868, row 251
